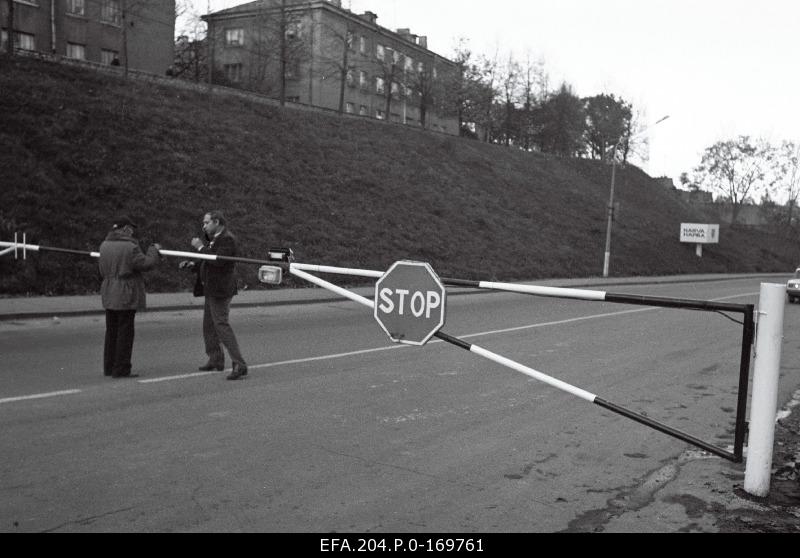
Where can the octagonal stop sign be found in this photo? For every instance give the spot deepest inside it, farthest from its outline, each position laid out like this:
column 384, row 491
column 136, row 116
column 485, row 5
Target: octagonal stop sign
column 410, row 302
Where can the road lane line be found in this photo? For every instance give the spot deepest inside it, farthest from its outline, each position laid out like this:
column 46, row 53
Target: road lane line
column 178, row 377
column 40, row 395
column 392, row 347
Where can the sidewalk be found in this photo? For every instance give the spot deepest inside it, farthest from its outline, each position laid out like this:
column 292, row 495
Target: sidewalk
column 17, row 308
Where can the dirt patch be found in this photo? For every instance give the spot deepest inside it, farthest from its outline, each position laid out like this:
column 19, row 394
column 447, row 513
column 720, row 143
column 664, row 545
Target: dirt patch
column 779, row 511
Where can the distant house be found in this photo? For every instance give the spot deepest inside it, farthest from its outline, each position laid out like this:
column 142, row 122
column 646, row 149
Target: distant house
column 696, row 196
column 101, row 31
column 333, row 58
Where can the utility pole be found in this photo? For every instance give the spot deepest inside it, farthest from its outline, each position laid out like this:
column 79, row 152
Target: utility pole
column 607, row 259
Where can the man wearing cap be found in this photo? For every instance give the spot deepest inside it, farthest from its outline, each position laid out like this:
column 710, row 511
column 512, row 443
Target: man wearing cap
column 122, row 292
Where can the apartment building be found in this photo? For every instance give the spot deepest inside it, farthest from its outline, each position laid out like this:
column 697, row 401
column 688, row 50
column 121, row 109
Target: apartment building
column 335, row 59
column 99, row 31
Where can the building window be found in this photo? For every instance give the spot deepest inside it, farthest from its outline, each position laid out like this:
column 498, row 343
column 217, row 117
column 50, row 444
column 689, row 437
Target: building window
column 233, row 72
column 293, row 69
column 76, row 7
column 409, row 64
column 395, row 57
column 380, row 86
column 108, row 56
column 294, row 30
column 351, row 80
column 362, row 44
column 110, row 12
column 380, row 52
column 349, row 40
column 25, row 41
column 349, row 108
column 234, row 37
column 22, row 41
column 76, row 51
column 362, row 79
column 362, row 110
column 395, row 89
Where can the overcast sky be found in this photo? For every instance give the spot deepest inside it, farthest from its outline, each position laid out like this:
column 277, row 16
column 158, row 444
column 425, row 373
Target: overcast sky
column 718, row 68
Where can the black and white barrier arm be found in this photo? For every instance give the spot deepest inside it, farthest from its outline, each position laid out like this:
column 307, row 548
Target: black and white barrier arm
column 302, row 271
column 269, row 272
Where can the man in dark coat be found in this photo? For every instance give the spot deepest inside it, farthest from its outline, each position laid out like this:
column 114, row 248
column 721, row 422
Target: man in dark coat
column 216, row 280
column 122, row 292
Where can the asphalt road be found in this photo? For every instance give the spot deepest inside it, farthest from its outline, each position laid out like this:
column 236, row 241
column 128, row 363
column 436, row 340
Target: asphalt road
column 336, row 429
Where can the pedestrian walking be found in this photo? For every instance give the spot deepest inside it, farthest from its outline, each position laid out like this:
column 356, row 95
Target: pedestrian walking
column 122, row 264
column 216, row 281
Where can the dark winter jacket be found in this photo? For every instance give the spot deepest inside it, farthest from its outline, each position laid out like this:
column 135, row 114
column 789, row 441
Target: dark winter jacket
column 121, row 265
column 217, row 278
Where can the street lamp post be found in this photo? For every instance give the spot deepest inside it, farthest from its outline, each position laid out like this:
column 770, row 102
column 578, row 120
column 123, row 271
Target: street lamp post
column 607, row 259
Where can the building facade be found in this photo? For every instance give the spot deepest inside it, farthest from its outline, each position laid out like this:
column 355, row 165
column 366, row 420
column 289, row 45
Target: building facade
column 332, row 58
column 101, row 31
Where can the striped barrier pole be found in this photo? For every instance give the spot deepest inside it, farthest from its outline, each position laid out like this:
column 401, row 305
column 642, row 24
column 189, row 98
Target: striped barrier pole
column 300, row 270
column 15, row 246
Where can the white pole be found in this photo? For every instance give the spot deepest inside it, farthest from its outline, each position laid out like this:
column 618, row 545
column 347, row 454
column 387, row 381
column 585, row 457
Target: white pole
column 330, row 286
column 764, row 401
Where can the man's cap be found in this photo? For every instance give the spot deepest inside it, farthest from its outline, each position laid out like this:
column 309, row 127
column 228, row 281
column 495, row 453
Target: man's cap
column 122, row 221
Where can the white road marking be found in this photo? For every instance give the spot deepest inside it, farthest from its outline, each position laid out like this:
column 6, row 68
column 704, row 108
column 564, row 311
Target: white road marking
column 39, row 395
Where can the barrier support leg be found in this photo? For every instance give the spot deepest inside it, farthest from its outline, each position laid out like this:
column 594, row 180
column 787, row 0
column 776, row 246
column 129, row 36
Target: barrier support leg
column 764, row 402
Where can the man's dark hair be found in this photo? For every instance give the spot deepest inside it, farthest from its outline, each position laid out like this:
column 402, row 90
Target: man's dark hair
column 216, row 215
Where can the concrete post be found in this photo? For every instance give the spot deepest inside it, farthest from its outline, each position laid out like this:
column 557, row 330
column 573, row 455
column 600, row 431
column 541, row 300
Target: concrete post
column 764, row 400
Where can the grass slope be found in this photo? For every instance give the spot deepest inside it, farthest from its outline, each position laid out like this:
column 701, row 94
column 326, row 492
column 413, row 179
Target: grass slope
column 77, row 147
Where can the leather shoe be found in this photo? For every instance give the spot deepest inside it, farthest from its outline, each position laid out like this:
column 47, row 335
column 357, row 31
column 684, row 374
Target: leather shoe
column 208, row 367
column 239, row 371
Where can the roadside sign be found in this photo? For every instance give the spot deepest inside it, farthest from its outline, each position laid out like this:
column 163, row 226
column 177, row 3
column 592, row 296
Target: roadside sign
column 696, row 233
column 410, row 302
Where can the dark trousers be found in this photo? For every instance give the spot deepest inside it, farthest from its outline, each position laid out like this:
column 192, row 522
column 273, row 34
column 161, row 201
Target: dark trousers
column 119, row 342
column 217, row 332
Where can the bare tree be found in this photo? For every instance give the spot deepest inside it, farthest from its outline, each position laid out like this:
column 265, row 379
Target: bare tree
column 335, row 57
column 388, row 71
column 739, row 169
column 509, row 78
column 534, row 91
column 787, row 168
column 489, row 69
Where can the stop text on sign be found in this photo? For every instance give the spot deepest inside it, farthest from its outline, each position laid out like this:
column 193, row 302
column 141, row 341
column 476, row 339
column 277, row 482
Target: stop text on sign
column 420, row 302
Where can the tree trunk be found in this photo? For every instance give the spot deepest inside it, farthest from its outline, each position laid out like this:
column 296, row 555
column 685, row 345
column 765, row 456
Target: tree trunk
column 10, row 28
column 343, row 74
column 125, row 37
column 283, row 52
